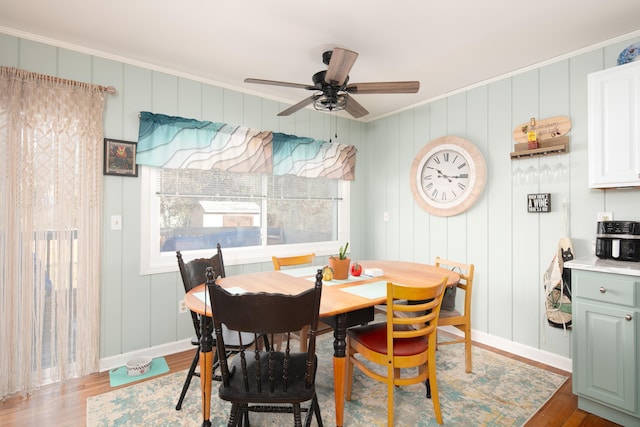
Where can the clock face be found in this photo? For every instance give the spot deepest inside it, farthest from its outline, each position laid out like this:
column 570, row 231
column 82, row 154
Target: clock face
column 448, row 176
column 444, row 178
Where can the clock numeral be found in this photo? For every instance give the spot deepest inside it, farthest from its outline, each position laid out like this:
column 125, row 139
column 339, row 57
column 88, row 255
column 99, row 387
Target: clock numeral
column 428, row 186
column 461, row 186
column 436, row 160
column 427, row 177
column 446, row 157
column 435, row 193
column 463, row 175
column 462, row 165
column 444, row 196
column 455, row 158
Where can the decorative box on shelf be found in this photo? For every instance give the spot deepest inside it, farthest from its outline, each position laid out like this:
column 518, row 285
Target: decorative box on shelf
column 552, row 138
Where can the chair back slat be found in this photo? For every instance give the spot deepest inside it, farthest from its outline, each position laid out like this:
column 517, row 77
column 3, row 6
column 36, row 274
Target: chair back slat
column 466, row 271
column 415, row 307
column 279, row 262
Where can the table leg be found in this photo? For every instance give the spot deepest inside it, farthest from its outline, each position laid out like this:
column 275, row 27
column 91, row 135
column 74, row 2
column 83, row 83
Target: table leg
column 206, row 367
column 339, row 365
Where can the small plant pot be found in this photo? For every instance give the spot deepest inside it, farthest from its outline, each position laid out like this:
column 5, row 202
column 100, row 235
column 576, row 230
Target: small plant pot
column 340, row 267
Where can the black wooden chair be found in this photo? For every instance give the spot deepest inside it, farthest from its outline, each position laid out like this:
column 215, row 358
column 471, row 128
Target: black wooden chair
column 267, row 381
column 193, row 274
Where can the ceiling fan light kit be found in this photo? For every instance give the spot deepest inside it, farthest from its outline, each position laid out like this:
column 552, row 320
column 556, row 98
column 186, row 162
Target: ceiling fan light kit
column 333, row 93
column 322, row 102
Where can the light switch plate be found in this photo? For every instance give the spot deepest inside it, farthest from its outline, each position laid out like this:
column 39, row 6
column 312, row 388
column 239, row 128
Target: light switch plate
column 116, row 222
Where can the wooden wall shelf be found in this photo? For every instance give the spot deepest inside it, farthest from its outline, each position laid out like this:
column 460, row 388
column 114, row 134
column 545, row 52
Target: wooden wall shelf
column 557, row 145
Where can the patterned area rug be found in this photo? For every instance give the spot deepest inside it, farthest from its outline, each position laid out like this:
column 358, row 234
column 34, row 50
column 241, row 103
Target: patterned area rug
column 499, row 392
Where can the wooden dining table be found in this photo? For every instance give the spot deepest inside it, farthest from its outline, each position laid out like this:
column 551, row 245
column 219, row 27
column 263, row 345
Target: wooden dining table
column 344, row 303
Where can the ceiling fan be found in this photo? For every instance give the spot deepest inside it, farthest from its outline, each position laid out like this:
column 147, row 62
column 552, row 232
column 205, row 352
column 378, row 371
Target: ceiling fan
column 332, row 88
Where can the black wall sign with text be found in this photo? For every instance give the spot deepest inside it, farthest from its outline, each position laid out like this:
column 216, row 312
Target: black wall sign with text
column 539, row 202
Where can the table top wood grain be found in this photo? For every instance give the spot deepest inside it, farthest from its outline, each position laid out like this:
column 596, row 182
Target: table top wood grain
column 334, row 299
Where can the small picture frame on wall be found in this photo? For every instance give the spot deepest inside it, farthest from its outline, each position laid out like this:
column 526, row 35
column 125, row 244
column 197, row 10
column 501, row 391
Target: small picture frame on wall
column 120, row 157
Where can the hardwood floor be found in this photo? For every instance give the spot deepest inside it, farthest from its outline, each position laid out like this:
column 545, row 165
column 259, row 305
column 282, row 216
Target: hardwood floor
column 65, row 404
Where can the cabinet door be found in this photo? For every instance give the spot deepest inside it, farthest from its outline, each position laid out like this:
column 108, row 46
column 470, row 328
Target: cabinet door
column 614, row 127
column 605, row 354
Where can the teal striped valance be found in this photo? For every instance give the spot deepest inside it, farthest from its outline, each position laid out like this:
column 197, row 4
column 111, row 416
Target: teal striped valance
column 179, row 143
column 294, row 155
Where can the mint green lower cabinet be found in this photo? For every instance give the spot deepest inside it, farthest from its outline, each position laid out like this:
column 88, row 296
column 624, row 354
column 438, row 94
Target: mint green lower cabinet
column 606, row 345
column 605, row 352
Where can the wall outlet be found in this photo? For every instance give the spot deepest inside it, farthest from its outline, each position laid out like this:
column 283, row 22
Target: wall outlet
column 605, row 216
column 182, row 306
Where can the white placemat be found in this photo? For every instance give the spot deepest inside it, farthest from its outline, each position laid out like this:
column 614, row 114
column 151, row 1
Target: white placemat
column 233, row 290
column 373, row 290
column 302, row 271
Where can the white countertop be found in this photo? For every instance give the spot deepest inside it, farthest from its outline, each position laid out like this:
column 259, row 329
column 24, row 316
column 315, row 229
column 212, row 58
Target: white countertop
column 593, row 263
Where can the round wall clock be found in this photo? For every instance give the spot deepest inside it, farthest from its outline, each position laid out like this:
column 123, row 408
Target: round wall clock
column 448, row 176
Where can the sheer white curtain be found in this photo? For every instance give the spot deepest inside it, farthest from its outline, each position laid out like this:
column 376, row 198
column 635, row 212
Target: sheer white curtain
column 50, row 206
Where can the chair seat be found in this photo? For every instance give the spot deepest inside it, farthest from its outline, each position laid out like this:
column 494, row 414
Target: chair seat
column 295, row 391
column 449, row 313
column 374, row 337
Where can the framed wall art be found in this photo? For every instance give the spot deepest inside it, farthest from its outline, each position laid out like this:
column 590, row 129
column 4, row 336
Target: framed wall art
column 120, row 157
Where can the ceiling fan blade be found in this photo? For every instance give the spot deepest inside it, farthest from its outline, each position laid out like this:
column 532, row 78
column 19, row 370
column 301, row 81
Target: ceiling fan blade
column 354, row 108
column 384, row 87
column 299, row 106
column 340, row 65
column 277, row 83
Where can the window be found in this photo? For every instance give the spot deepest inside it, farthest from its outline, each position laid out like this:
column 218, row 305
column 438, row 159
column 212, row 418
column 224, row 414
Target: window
column 253, row 216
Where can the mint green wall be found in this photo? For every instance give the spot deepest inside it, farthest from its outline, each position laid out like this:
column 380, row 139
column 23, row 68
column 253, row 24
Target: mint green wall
column 510, row 247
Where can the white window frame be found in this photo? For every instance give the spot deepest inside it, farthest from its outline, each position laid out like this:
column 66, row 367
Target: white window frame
column 153, row 262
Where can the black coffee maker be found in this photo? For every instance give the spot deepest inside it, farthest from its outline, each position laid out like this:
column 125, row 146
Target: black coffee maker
column 618, row 240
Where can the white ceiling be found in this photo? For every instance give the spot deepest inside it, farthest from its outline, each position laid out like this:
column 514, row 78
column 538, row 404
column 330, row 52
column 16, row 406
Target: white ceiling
column 446, row 44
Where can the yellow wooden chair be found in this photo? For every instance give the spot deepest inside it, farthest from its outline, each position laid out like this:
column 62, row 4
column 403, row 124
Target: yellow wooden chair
column 400, row 343
column 291, row 261
column 454, row 317
column 296, row 261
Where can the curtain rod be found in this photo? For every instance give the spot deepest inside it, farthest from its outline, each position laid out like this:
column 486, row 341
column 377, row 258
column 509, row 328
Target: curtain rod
column 12, row 70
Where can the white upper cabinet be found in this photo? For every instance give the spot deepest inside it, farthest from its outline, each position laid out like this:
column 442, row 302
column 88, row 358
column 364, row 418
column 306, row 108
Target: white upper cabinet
column 614, row 127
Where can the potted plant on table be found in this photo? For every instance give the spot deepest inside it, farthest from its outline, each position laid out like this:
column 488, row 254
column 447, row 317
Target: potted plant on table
column 340, row 263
